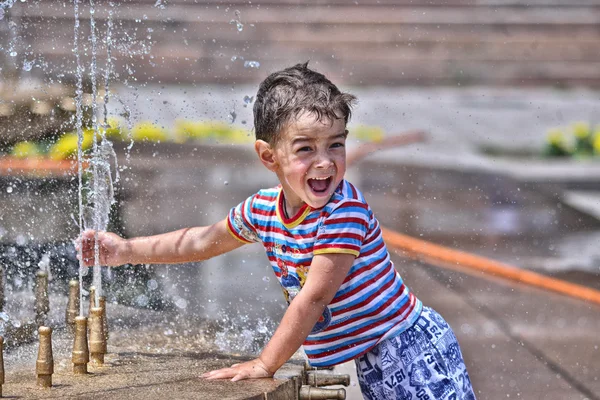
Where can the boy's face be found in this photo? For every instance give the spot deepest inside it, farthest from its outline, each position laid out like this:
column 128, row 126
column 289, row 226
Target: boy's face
column 309, row 160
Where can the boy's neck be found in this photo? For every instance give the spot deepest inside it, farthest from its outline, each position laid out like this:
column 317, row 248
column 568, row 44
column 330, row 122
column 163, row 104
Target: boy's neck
column 288, row 210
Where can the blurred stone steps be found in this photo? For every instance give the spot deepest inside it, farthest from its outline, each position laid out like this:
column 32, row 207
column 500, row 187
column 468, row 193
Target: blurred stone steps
column 495, row 42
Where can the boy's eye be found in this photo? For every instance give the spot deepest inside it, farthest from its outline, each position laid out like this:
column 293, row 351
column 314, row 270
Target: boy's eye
column 305, row 148
column 337, row 145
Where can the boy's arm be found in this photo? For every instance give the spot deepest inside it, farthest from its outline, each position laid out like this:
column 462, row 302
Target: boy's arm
column 184, row 245
column 326, row 275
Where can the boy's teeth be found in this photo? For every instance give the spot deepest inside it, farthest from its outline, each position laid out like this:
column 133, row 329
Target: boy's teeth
column 319, row 184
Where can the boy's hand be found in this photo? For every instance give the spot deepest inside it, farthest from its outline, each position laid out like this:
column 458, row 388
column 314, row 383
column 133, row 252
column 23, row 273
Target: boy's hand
column 247, row 370
column 112, row 248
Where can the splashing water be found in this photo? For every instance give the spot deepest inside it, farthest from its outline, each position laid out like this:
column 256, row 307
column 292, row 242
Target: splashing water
column 251, row 64
column 4, row 5
column 99, row 188
column 237, row 21
column 238, row 335
column 102, row 193
column 27, row 65
column 79, row 126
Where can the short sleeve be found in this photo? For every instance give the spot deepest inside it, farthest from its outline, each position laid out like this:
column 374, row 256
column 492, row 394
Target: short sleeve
column 344, row 230
column 239, row 222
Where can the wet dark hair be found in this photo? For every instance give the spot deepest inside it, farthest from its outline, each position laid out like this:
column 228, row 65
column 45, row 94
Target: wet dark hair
column 286, row 94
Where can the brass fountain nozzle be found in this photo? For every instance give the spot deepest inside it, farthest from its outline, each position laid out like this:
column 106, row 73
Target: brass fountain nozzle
column 97, row 339
column 81, row 354
column 1, row 364
column 42, row 304
column 307, row 367
column 312, row 393
column 44, row 366
column 102, row 305
column 314, row 378
column 73, row 305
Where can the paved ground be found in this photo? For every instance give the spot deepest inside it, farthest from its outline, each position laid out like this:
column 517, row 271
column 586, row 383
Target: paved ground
column 151, row 356
column 518, row 342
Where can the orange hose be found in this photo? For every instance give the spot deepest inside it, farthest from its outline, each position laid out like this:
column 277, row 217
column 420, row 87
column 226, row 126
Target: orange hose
column 465, row 262
column 397, row 140
column 40, row 166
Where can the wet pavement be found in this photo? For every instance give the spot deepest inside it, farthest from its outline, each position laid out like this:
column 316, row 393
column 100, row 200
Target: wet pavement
column 151, row 355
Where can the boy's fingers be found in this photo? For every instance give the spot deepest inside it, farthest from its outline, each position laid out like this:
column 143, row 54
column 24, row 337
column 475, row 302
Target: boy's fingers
column 219, row 374
column 240, row 376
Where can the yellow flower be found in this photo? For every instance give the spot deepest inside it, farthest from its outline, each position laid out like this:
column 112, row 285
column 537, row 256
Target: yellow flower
column 596, row 142
column 581, row 129
column 25, row 149
column 215, row 130
column 185, row 129
column 66, row 145
column 556, row 137
column 149, row 131
column 240, row 136
column 116, row 129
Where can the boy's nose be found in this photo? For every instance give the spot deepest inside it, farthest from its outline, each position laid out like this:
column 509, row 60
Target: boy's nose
column 323, row 161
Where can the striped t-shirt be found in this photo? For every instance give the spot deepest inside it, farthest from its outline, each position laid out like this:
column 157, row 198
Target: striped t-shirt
column 371, row 305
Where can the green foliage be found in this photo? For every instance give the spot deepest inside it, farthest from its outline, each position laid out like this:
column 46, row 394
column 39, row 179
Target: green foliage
column 66, row 145
column 578, row 140
column 26, row 150
column 116, row 129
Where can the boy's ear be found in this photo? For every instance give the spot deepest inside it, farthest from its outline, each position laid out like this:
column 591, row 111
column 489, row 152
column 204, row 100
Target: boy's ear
column 266, row 154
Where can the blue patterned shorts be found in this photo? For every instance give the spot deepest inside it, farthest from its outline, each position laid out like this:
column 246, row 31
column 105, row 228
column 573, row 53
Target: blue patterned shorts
column 422, row 363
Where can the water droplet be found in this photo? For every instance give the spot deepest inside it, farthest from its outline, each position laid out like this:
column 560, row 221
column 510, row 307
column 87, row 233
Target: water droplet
column 251, row 64
column 9, row 189
column 4, row 317
column 238, row 25
column 248, row 99
column 226, row 183
column 142, row 300
column 233, row 58
column 13, row 53
column 181, row 303
column 232, row 116
column 266, row 279
column 27, row 65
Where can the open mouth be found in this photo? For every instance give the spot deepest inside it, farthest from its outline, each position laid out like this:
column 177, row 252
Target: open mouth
column 319, row 185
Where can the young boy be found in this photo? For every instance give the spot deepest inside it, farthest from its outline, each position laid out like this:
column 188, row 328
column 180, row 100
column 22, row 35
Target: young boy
column 346, row 301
